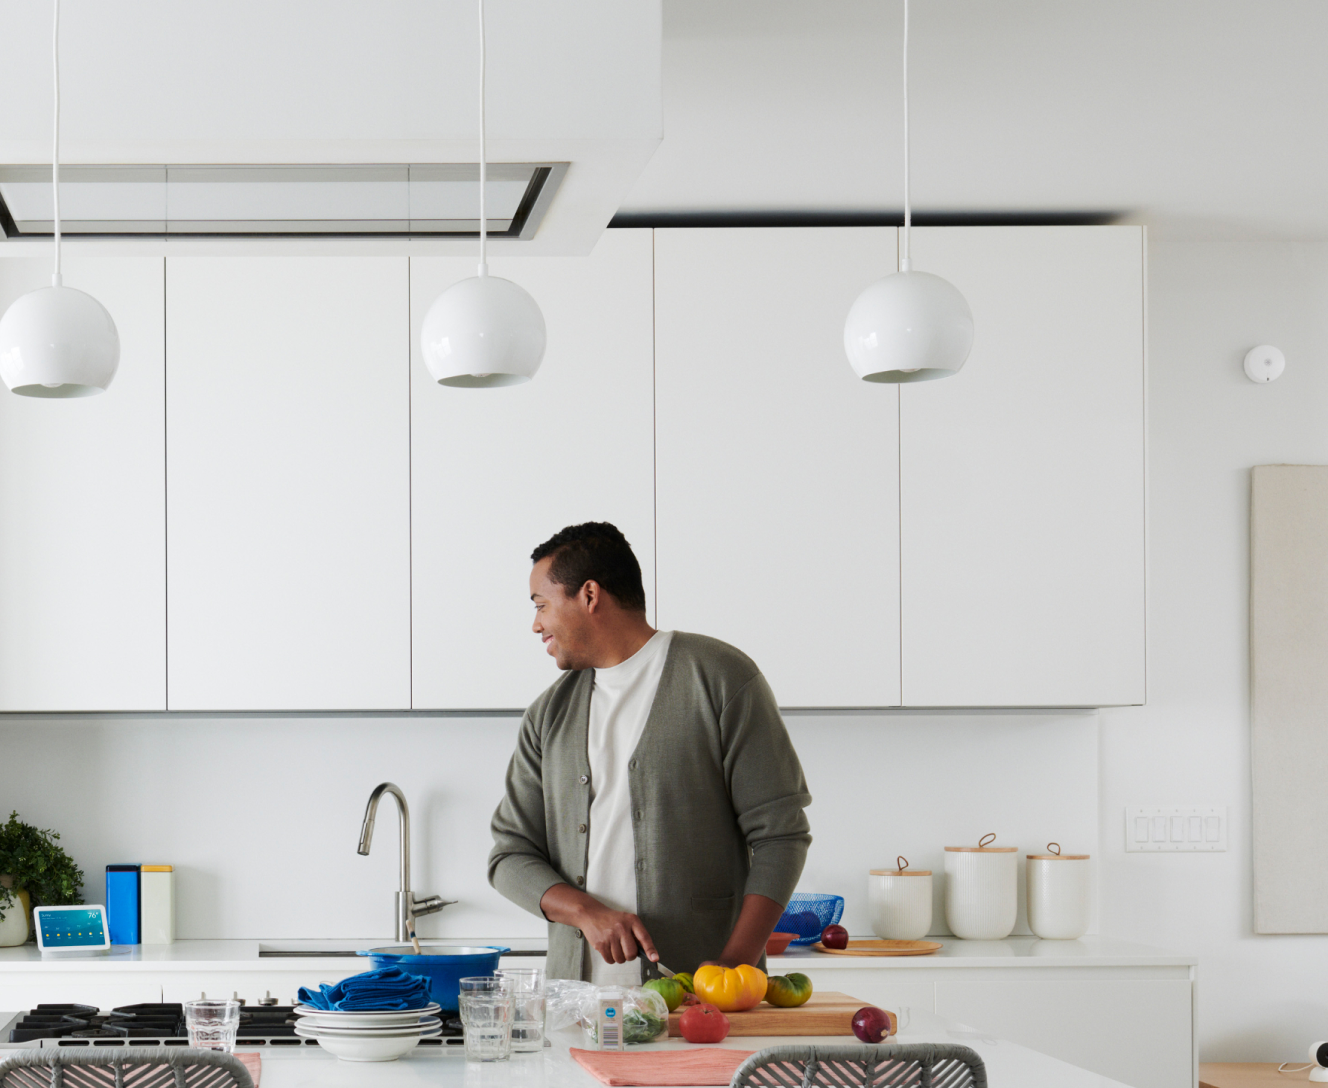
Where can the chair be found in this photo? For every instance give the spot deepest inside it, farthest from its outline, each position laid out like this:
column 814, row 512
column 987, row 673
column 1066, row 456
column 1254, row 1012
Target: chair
column 123, row 1067
column 888, row 1065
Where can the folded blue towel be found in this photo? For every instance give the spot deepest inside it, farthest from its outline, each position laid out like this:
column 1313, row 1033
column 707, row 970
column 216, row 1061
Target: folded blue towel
column 385, row 989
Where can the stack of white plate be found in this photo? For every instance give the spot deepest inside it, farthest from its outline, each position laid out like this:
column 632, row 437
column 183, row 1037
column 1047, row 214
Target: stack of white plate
column 368, row 1036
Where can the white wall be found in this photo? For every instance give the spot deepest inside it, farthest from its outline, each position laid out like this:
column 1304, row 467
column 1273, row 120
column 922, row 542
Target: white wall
column 261, row 815
column 1261, row 998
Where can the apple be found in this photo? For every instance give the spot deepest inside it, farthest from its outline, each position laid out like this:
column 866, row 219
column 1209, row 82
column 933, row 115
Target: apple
column 703, row 1024
column 834, row 937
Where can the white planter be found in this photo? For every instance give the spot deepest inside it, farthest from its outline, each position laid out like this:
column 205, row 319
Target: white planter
column 14, row 927
column 1059, row 891
column 981, row 891
column 900, row 901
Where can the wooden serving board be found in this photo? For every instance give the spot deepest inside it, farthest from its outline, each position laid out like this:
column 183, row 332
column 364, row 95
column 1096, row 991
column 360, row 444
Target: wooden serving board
column 825, row 1013
column 881, row 948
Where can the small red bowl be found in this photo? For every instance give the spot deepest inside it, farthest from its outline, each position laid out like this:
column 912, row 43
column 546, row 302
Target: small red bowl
column 778, row 943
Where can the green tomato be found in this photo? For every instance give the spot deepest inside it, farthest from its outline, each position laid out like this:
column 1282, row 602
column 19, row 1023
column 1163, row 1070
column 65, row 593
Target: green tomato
column 670, row 989
column 788, row 991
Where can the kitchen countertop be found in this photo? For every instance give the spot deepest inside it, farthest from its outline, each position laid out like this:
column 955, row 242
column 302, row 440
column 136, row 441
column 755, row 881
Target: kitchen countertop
column 237, row 955
column 1007, row 1063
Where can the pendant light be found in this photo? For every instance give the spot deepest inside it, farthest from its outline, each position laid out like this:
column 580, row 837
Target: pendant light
column 910, row 326
column 57, row 341
column 483, row 331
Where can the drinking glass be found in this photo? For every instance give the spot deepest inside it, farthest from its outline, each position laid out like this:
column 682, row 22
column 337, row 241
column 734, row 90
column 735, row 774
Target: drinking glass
column 486, row 1017
column 526, row 985
column 481, row 984
column 212, row 1024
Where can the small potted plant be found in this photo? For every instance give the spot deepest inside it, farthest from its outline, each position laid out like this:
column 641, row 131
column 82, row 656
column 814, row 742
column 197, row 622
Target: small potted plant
column 34, row 871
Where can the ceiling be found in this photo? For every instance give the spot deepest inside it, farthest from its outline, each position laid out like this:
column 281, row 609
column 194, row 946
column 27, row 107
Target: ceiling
column 369, row 82
column 1206, row 117
column 1196, row 116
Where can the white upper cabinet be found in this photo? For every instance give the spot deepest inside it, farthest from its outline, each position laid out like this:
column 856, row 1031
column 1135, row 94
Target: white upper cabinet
column 82, row 513
column 777, row 490
column 495, row 472
column 288, row 404
column 1022, row 495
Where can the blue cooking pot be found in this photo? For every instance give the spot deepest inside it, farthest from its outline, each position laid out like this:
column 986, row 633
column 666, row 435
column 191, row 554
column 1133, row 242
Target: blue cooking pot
column 443, row 965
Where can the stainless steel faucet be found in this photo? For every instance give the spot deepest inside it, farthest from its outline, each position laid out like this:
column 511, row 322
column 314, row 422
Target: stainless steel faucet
column 408, row 907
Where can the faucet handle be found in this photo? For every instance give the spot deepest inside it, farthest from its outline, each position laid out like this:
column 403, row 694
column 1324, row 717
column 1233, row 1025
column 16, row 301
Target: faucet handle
column 430, row 905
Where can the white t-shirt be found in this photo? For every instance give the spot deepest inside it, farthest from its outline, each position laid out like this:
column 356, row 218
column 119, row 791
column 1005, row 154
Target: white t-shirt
column 619, row 705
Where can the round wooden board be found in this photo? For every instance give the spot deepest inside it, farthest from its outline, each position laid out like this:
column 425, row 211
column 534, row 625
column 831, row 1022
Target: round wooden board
column 881, row 948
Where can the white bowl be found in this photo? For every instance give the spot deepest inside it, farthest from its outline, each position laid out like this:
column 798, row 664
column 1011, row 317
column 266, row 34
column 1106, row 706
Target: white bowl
column 367, row 1047
column 370, row 1048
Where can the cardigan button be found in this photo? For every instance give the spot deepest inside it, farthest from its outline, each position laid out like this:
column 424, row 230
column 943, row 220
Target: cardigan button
column 580, row 936
column 582, row 829
column 584, row 779
column 632, row 765
column 581, row 881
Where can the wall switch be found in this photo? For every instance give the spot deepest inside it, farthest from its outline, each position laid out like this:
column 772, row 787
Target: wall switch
column 1176, row 827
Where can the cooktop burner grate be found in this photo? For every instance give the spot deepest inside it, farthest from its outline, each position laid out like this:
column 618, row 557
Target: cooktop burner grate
column 163, row 1025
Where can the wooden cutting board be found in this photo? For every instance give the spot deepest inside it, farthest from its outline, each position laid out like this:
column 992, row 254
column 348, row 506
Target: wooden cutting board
column 881, row 948
column 826, row 1013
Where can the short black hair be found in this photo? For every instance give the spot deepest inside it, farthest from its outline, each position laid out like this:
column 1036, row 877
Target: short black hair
column 594, row 551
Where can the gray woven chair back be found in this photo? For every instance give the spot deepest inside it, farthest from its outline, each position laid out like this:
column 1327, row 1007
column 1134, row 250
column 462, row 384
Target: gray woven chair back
column 889, row 1065
column 123, row 1067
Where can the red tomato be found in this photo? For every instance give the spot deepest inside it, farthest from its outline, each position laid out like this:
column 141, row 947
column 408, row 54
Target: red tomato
column 704, row 1024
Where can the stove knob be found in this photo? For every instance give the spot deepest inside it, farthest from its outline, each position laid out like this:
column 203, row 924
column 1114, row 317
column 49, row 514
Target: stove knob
column 268, row 1000
column 235, row 996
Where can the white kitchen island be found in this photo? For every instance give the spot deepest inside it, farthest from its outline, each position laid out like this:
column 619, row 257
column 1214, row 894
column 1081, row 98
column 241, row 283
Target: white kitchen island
column 1008, row 1064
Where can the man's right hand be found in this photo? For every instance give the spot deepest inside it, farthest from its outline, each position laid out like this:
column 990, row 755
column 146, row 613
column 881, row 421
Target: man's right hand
column 615, row 934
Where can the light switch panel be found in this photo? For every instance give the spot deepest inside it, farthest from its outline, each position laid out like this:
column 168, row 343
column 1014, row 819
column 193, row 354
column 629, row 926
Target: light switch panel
column 1176, row 827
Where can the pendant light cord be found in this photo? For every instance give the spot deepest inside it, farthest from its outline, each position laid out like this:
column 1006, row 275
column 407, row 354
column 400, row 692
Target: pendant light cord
column 905, row 256
column 484, row 170
column 56, row 279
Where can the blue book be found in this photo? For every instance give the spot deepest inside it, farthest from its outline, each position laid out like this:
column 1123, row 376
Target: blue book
column 122, row 904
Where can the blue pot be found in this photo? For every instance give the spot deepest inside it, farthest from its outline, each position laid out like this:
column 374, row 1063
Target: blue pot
column 443, row 965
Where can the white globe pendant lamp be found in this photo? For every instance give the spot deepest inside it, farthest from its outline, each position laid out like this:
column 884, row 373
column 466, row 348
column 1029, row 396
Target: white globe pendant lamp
column 57, row 341
column 910, row 326
column 484, row 331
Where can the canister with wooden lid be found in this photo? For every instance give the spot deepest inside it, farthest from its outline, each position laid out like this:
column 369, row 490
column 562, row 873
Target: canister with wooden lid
column 1059, row 894
column 981, row 890
column 900, row 901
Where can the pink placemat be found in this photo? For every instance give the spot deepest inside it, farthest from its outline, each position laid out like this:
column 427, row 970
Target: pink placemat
column 659, row 1068
column 253, row 1061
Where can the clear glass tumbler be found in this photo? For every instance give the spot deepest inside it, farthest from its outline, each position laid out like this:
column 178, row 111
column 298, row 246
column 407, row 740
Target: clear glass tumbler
column 212, row 1024
column 527, row 988
column 486, row 1017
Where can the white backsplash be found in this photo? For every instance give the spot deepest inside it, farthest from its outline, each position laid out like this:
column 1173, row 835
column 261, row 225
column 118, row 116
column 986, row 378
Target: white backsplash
column 261, row 815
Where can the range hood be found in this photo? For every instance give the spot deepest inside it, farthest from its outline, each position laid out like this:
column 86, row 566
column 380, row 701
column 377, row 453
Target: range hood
column 386, row 200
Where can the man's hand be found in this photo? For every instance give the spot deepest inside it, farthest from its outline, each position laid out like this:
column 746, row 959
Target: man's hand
column 615, row 934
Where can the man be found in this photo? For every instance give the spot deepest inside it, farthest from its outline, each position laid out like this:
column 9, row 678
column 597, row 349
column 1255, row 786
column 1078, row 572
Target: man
column 654, row 802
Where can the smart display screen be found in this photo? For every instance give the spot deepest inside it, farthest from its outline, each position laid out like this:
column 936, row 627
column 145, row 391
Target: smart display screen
column 72, row 928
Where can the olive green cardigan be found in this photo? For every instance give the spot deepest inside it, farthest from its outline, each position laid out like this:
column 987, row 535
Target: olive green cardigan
column 717, row 798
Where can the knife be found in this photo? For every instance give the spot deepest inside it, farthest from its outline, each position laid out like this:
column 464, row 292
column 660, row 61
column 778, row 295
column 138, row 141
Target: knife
column 648, row 963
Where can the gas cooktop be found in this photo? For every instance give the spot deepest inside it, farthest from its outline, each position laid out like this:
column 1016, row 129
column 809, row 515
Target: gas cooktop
column 161, row 1025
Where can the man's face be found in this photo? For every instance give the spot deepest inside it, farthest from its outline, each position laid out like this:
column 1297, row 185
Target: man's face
column 563, row 622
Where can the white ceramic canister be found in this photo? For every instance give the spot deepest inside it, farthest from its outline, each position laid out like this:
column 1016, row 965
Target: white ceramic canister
column 981, row 890
column 1059, row 887
column 900, row 901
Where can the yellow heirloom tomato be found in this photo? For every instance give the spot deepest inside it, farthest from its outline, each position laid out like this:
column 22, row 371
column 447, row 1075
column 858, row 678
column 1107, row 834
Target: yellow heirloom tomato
column 730, row 989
